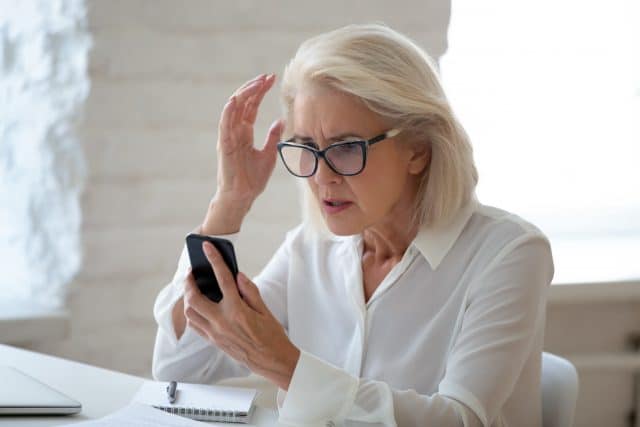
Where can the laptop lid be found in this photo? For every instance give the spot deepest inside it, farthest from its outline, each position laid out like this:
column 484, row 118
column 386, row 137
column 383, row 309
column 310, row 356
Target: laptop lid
column 24, row 395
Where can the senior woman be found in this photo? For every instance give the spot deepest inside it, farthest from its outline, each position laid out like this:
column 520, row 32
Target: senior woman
column 400, row 299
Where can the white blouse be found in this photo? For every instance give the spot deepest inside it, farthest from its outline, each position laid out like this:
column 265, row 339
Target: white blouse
column 452, row 336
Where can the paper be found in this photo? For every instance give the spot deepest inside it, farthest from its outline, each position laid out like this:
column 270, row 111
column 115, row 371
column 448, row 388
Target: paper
column 139, row 415
column 197, row 396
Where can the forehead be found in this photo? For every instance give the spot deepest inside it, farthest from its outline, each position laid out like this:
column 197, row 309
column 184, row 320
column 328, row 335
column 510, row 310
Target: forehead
column 322, row 111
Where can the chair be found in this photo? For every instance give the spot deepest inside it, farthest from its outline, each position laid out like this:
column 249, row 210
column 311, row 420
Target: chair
column 559, row 389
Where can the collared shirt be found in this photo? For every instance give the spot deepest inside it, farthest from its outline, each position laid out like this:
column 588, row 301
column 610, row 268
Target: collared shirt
column 452, row 336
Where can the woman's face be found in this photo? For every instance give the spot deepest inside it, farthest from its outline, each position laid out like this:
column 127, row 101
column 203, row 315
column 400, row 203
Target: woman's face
column 384, row 190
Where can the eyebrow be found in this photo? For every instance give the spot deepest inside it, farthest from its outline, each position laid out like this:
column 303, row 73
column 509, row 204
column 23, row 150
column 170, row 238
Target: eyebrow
column 336, row 138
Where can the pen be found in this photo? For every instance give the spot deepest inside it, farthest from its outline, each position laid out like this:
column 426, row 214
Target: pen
column 171, row 391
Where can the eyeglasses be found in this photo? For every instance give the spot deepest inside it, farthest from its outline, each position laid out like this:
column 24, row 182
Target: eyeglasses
column 346, row 158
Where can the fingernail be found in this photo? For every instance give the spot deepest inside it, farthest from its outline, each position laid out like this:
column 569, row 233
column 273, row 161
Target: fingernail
column 207, row 248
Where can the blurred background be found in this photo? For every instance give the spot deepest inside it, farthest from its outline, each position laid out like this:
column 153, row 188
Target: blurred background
column 108, row 119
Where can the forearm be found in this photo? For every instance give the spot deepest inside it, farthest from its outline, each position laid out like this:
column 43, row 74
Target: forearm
column 224, row 217
column 279, row 370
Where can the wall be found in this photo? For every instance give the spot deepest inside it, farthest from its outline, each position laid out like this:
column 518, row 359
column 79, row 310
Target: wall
column 595, row 335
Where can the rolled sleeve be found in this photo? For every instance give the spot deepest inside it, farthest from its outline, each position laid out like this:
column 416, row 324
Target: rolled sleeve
column 319, row 394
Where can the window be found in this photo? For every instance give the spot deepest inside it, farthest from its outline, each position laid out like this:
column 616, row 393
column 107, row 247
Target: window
column 43, row 84
column 549, row 93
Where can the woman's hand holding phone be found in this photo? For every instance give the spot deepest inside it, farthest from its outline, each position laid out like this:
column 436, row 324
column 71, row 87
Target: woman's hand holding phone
column 241, row 325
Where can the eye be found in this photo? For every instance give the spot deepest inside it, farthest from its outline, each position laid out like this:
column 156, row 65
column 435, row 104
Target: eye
column 346, row 148
column 310, row 144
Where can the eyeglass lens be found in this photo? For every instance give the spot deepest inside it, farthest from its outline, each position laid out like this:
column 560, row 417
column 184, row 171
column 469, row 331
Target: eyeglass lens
column 346, row 159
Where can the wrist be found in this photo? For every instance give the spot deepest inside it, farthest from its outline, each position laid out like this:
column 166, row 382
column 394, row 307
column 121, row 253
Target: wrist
column 289, row 363
column 224, row 217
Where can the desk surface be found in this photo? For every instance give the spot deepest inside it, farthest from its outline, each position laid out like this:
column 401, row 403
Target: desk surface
column 101, row 391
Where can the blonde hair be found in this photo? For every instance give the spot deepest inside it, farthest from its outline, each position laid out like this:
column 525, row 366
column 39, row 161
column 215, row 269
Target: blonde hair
column 396, row 79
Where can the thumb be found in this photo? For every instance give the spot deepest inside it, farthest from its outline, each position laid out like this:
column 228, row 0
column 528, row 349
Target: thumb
column 251, row 294
column 273, row 136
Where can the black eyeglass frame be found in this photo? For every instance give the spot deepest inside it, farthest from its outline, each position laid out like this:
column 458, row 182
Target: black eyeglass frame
column 363, row 144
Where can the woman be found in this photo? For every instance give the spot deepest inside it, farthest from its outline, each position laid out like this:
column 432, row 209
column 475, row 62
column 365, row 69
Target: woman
column 400, row 299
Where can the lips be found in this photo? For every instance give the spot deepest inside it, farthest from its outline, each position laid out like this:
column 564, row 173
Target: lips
column 335, row 202
column 335, row 206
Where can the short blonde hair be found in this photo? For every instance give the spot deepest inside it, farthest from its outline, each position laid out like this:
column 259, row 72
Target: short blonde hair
column 396, row 79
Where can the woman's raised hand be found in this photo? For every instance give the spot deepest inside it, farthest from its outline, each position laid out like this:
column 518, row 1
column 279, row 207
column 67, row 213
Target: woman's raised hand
column 243, row 170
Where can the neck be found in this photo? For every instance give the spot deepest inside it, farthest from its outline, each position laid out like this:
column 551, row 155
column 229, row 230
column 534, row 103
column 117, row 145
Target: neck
column 386, row 243
column 390, row 238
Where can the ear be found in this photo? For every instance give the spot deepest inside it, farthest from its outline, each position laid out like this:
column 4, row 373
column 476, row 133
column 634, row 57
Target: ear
column 419, row 157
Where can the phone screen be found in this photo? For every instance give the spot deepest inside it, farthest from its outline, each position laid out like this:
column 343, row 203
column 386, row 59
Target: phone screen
column 201, row 267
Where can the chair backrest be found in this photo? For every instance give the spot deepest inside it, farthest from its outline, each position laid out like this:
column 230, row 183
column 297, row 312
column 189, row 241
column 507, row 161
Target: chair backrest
column 559, row 391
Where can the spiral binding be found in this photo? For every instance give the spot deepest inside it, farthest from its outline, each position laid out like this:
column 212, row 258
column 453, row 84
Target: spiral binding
column 204, row 414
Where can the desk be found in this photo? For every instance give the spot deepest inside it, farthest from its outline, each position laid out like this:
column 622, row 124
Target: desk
column 101, row 391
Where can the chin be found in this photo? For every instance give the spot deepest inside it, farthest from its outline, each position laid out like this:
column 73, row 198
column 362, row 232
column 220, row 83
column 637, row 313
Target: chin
column 342, row 228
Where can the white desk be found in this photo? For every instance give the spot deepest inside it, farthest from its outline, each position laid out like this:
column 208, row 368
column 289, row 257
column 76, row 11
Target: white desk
column 101, row 391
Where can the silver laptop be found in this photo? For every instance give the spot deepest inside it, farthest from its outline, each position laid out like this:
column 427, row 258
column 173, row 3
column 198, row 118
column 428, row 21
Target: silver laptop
column 22, row 394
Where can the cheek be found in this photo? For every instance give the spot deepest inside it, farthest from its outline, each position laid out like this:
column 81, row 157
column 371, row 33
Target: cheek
column 381, row 183
column 313, row 186
column 376, row 193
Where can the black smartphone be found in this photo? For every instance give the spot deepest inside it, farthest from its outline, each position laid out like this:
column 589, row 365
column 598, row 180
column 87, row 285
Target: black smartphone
column 201, row 267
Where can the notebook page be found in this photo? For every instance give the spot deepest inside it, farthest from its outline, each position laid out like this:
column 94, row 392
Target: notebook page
column 197, row 396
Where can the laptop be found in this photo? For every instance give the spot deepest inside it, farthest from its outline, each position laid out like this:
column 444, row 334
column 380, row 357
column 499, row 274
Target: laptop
column 21, row 394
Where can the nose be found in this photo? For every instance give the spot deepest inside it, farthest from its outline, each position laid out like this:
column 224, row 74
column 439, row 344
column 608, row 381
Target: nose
column 324, row 175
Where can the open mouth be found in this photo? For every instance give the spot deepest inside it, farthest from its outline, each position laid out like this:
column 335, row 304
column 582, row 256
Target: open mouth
column 335, row 203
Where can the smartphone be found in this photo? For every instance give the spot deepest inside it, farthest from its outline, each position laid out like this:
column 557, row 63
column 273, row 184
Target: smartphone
column 201, row 267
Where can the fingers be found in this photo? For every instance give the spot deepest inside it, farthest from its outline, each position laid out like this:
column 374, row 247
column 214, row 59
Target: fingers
column 224, row 127
column 196, row 321
column 224, row 277
column 249, row 82
column 195, row 300
column 236, row 102
column 191, row 300
column 242, row 96
column 251, row 294
column 251, row 108
column 273, row 136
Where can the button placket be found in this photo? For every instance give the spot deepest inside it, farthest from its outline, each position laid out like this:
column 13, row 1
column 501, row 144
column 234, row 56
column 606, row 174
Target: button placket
column 354, row 283
column 394, row 275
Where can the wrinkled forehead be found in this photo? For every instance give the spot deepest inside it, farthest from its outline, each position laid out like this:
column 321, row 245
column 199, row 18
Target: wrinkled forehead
column 321, row 112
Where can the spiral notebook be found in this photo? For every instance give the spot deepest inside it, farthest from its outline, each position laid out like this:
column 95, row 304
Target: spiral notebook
column 201, row 401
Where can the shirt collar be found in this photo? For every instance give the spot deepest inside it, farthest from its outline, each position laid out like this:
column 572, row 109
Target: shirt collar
column 435, row 242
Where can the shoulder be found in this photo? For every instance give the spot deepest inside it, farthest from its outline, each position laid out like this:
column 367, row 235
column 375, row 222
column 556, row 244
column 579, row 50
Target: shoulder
column 504, row 239
column 500, row 228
